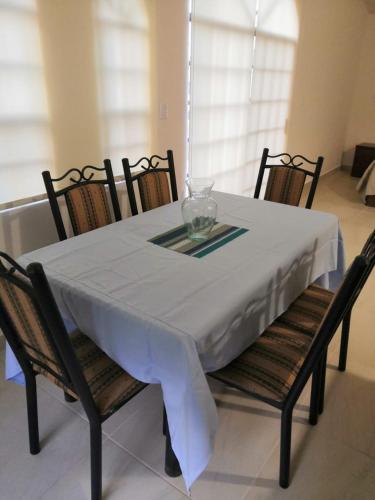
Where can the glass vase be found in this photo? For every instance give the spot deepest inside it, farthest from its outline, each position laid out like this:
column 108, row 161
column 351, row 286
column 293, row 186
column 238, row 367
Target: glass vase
column 199, row 209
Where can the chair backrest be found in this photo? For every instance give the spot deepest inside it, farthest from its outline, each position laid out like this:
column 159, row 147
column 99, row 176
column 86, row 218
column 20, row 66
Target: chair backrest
column 287, row 179
column 343, row 300
column 85, row 197
column 369, row 246
column 24, row 298
column 153, row 185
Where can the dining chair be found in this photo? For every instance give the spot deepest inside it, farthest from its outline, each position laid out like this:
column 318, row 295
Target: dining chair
column 152, row 179
column 286, row 180
column 367, row 250
column 85, row 197
column 276, row 368
column 35, row 331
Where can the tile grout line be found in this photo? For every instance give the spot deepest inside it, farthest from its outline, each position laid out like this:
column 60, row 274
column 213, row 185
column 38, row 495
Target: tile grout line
column 109, row 437
column 261, row 467
column 348, row 445
column 64, row 403
column 109, row 434
column 146, row 465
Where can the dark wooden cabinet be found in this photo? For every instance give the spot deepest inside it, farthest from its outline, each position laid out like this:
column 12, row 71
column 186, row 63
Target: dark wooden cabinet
column 364, row 155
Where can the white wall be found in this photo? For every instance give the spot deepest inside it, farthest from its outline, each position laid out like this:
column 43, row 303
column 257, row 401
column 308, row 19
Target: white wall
column 169, row 67
column 325, row 71
column 361, row 122
column 67, row 39
column 26, row 228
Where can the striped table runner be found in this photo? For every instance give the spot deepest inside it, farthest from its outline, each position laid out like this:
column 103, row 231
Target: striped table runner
column 176, row 239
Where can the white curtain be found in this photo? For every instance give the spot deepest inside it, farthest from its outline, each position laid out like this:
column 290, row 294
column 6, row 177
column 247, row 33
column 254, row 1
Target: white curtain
column 221, row 61
column 275, row 42
column 242, row 55
column 25, row 141
column 124, row 79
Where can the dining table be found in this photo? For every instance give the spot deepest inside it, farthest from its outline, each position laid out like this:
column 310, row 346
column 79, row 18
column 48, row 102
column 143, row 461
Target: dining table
column 169, row 317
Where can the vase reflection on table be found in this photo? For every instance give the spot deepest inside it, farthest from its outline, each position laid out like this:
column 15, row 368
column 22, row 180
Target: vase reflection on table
column 199, row 209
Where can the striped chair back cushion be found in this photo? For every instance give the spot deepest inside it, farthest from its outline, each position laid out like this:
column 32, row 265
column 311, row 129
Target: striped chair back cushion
column 88, row 207
column 285, row 185
column 29, row 329
column 154, row 190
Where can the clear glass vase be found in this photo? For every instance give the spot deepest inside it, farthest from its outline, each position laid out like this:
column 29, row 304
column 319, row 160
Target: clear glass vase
column 199, row 210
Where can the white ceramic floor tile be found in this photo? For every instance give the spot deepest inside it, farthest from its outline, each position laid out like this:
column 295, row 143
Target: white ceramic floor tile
column 123, row 478
column 141, row 432
column 249, row 431
column 349, row 413
column 321, row 468
column 64, row 440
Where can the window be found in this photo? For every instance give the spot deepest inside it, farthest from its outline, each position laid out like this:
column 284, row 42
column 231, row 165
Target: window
column 123, row 59
column 274, row 49
column 242, row 56
column 25, row 141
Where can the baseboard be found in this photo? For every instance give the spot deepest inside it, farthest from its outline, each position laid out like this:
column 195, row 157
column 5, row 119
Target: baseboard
column 325, row 174
column 346, row 168
column 332, row 171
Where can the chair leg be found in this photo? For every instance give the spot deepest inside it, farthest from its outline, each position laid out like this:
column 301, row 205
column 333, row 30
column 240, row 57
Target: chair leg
column 323, row 370
column 344, row 341
column 171, row 466
column 32, row 414
column 165, row 423
column 68, row 398
column 314, row 397
column 96, row 460
column 285, row 443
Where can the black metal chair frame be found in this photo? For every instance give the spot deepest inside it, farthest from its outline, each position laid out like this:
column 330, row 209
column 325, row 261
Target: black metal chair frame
column 45, row 305
column 370, row 243
column 366, row 251
column 315, row 361
column 294, row 163
column 148, row 165
column 83, row 177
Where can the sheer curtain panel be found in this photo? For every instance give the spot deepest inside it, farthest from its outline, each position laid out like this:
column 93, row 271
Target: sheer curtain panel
column 222, row 40
column 275, row 43
column 25, row 142
column 242, row 55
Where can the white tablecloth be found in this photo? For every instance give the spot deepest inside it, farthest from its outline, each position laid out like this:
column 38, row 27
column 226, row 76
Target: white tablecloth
column 167, row 318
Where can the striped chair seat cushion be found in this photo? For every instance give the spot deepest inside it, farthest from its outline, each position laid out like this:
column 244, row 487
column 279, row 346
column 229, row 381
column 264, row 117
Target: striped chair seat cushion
column 88, row 208
column 154, row 190
column 269, row 367
column 109, row 384
column 285, row 185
